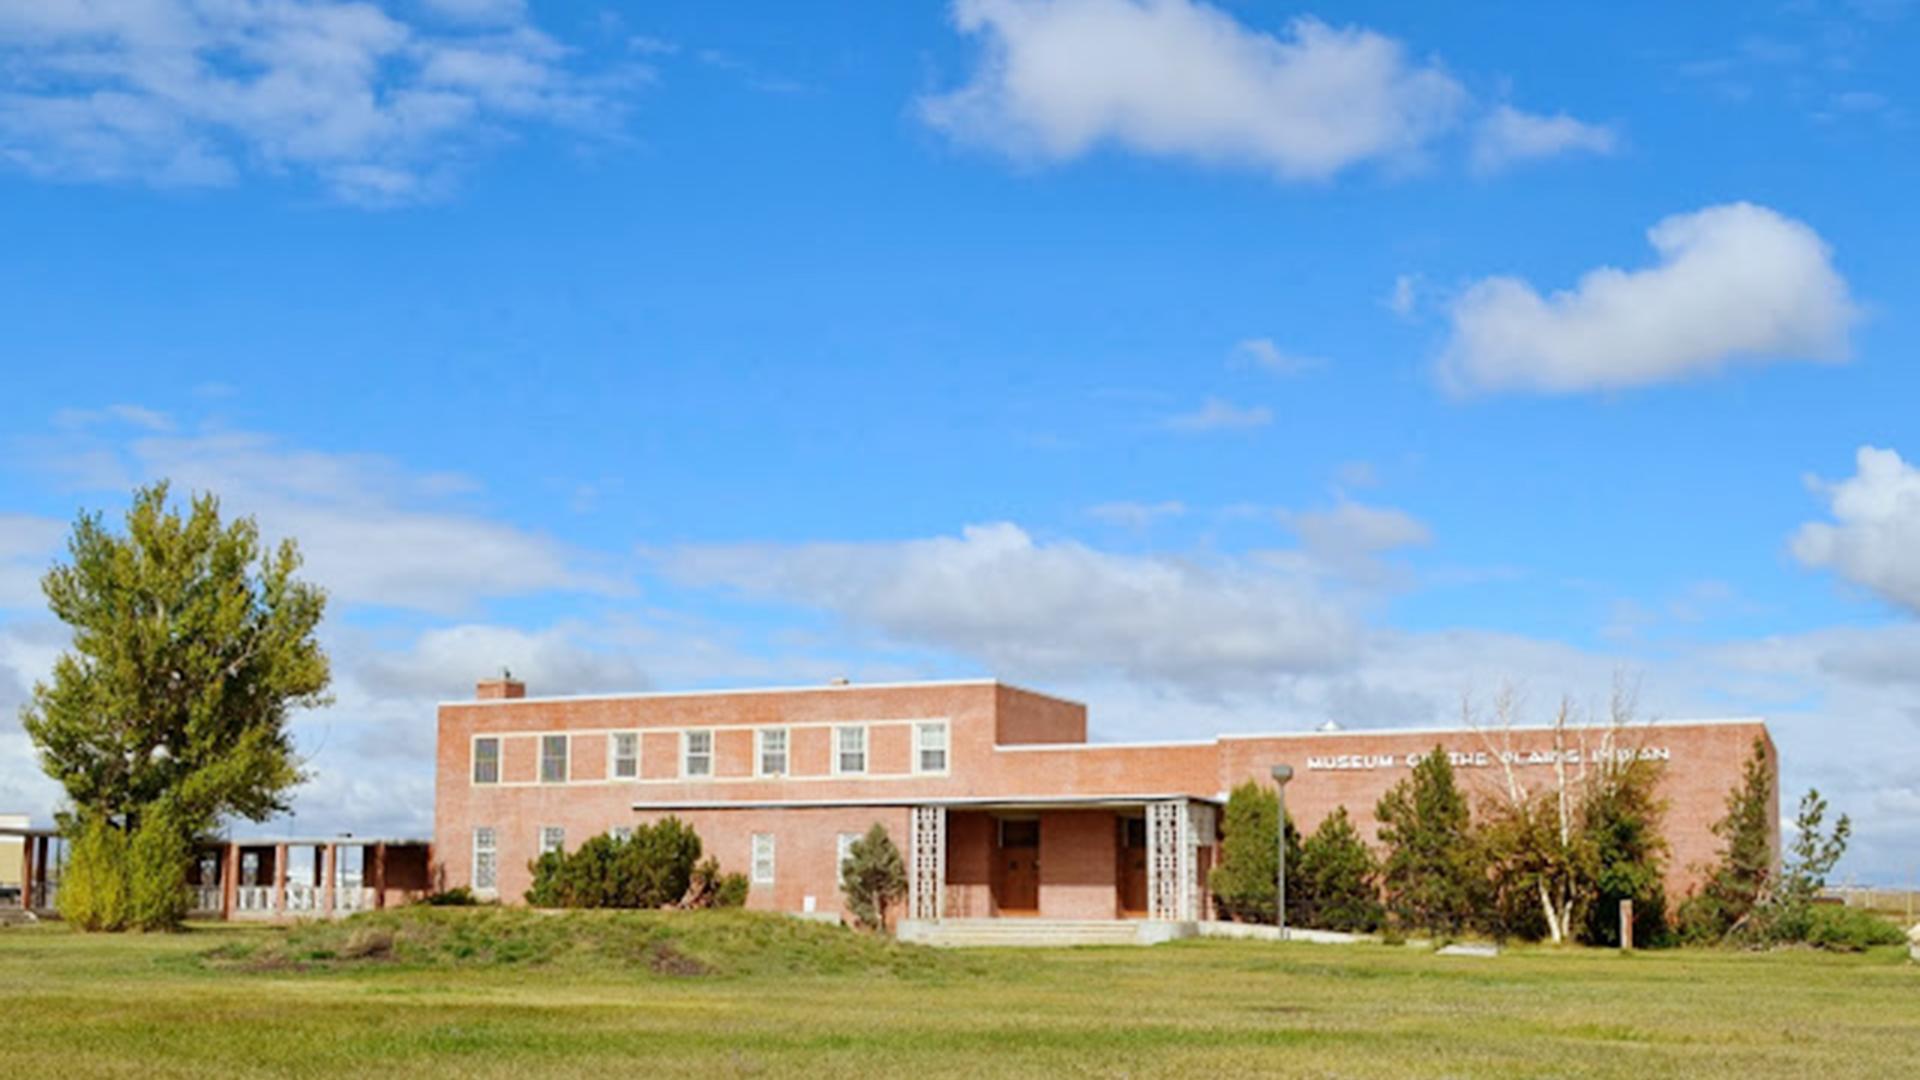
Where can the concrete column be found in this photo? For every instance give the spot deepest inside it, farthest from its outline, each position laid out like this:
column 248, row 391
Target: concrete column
column 229, row 880
column 327, row 867
column 27, row 867
column 279, row 878
column 380, row 875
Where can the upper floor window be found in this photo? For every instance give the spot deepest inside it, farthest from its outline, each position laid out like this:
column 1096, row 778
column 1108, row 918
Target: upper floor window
column 930, row 747
column 552, row 838
column 626, row 755
column 850, row 749
column 696, row 756
column 553, row 759
column 763, row 858
column 772, row 752
column 486, row 761
column 486, row 860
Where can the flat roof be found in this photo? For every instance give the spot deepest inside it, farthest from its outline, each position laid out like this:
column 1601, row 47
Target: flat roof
column 811, row 688
column 1008, row 802
column 1148, row 744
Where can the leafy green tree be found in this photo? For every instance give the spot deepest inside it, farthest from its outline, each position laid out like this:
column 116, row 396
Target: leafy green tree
column 873, row 877
column 1243, row 884
column 1434, row 872
column 1621, row 817
column 1336, row 879
column 192, row 646
column 1745, row 871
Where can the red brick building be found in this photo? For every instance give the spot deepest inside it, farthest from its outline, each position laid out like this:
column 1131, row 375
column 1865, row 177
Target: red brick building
column 993, row 793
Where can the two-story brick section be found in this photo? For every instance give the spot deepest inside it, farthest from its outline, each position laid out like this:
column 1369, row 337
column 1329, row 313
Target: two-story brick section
column 997, row 800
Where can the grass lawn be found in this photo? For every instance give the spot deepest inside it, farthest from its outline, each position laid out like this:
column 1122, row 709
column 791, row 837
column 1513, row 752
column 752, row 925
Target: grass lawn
column 514, row 994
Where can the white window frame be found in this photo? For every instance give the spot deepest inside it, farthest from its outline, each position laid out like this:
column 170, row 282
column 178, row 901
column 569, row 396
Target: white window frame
column 839, row 754
column 920, row 747
column 566, row 757
column 764, row 849
column 760, row 752
column 843, row 850
column 622, row 833
column 553, row 838
column 614, row 759
column 686, row 754
column 473, row 774
column 492, row 851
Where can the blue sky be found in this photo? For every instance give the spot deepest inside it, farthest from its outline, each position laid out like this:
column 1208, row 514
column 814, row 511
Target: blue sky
column 1229, row 367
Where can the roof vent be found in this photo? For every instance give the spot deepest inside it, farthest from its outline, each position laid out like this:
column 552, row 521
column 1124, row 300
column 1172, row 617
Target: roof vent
column 1329, row 727
column 839, row 680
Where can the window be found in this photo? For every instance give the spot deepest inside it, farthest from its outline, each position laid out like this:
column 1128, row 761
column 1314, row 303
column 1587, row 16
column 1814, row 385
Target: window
column 552, row 838
column 851, row 746
column 623, row 833
column 762, row 858
column 772, row 755
column 696, row 753
column 930, row 747
column 553, row 759
column 486, row 761
column 486, row 860
column 843, row 846
column 626, row 755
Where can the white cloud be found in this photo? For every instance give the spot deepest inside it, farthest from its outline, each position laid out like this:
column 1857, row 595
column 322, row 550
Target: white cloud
column 1508, row 136
column 1184, row 79
column 1044, row 609
column 1136, row 515
column 1264, row 354
column 1874, row 539
column 1215, row 414
column 1735, row 283
column 28, row 546
column 197, row 92
column 1404, row 295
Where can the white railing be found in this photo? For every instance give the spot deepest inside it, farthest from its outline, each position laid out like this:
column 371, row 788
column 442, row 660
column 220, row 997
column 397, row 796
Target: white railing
column 205, row 898
column 253, row 898
column 302, row 897
column 352, row 898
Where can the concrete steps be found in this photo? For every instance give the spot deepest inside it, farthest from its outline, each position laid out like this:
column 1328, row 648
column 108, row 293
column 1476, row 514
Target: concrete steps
column 1039, row 933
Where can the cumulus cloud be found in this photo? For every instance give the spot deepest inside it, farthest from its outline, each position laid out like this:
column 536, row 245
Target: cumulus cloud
column 1047, row 608
column 1874, row 537
column 1734, row 283
column 28, row 546
column 1184, row 79
column 1508, row 136
column 201, row 92
column 1264, row 354
column 1215, row 414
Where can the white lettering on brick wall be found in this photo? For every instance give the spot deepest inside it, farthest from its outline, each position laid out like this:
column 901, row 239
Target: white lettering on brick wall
column 1478, row 759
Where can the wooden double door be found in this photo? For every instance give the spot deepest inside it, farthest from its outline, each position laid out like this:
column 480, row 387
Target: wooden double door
column 1016, row 866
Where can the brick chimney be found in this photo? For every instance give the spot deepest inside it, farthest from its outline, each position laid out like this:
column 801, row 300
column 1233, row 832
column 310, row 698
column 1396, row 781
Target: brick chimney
column 500, row 689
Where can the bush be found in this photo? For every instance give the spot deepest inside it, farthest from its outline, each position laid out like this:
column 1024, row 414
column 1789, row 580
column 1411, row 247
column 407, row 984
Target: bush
column 1845, row 929
column 713, row 889
column 157, row 859
column 654, row 868
column 460, row 896
column 873, row 877
column 93, row 886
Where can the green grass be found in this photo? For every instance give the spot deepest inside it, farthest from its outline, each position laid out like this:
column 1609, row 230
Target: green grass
column 486, row 993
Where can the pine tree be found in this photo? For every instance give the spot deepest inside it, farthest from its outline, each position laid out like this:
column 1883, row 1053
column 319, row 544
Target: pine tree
column 1243, row 884
column 874, row 877
column 1745, row 871
column 1434, row 873
column 1335, row 882
column 1621, row 818
column 192, row 645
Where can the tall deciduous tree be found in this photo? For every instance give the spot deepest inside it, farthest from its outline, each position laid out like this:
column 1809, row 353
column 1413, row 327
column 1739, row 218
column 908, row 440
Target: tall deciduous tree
column 192, row 646
column 1434, row 872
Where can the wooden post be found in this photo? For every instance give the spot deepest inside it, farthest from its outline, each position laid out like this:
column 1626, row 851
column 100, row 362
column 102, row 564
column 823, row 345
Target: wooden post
column 380, row 874
column 279, row 878
column 230, row 880
column 1626, row 926
column 27, row 845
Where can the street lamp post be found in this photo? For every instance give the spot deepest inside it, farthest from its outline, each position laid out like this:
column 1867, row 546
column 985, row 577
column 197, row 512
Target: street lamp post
column 1281, row 774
